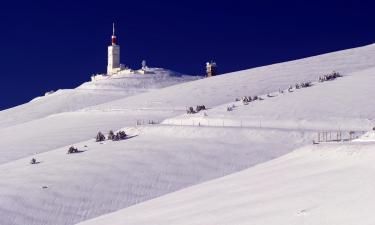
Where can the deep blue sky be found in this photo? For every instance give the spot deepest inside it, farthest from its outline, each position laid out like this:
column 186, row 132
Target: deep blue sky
column 48, row 45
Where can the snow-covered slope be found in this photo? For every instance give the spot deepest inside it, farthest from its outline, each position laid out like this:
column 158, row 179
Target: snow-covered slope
column 89, row 94
column 171, row 100
column 37, row 136
column 367, row 137
column 342, row 104
column 113, row 175
column 322, row 184
column 162, row 158
column 263, row 80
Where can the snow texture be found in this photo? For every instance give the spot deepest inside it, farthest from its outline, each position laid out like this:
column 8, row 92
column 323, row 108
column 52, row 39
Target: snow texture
column 160, row 159
column 322, row 184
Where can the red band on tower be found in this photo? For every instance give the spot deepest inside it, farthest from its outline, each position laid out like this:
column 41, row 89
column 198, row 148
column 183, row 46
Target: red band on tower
column 113, row 40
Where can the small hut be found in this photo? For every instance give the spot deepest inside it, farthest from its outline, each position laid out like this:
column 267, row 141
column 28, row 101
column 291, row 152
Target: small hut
column 211, row 69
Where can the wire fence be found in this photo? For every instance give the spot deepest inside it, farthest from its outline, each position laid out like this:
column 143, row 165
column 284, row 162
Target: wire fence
column 215, row 123
column 147, row 122
column 321, row 136
column 337, row 136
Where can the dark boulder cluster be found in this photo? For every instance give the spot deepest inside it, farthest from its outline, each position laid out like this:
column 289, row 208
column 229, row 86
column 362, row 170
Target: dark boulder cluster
column 111, row 135
column 33, row 161
column 306, row 84
column 190, row 110
column 121, row 135
column 230, row 108
column 247, row 99
column 72, row 150
column 303, row 85
column 330, row 76
column 100, row 137
column 199, row 108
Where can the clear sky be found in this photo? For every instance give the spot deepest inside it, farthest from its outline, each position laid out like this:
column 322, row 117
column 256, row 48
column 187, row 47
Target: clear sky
column 50, row 45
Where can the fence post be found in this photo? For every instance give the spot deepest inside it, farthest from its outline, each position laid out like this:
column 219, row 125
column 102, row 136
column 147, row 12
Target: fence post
column 326, row 136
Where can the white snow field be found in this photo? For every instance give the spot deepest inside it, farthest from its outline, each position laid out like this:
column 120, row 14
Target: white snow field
column 90, row 93
column 219, row 90
column 114, row 175
column 342, row 104
column 164, row 158
column 64, row 129
column 322, row 184
column 367, row 137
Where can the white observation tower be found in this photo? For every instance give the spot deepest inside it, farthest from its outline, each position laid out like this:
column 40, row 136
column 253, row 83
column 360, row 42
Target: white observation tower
column 113, row 55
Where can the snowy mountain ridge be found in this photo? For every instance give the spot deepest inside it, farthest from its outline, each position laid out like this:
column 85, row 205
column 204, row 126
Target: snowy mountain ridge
column 160, row 159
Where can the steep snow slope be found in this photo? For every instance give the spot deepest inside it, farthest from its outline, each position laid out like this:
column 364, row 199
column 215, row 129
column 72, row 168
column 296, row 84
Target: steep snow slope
column 113, row 175
column 263, row 80
column 342, row 104
column 173, row 100
column 322, row 184
column 60, row 101
column 63, row 129
column 90, row 93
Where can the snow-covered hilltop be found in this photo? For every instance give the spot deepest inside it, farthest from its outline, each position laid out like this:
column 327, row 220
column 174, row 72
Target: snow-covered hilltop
column 156, row 78
column 91, row 93
column 193, row 149
column 224, row 89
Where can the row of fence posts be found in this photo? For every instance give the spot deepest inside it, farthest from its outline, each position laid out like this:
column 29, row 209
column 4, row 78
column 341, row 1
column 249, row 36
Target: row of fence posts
column 322, row 136
column 216, row 123
column 326, row 136
column 331, row 136
column 147, row 122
